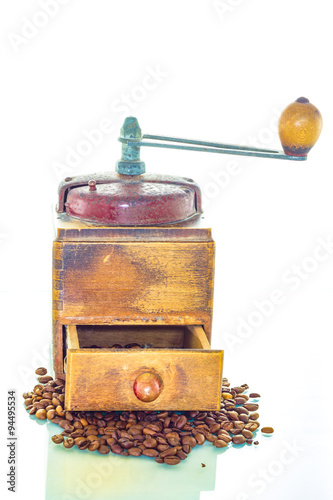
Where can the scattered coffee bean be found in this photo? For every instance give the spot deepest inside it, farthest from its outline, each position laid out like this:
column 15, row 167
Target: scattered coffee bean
column 41, row 371
column 254, row 395
column 104, row 450
column 68, row 443
column 267, row 430
column 57, row 439
column 44, row 379
column 256, row 442
column 251, row 406
column 219, row 443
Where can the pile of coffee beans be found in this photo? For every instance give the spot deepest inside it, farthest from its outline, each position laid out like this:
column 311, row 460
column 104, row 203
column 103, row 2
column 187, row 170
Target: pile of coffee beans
column 166, row 436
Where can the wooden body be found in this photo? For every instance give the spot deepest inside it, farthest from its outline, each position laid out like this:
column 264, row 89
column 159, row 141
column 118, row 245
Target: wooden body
column 143, row 278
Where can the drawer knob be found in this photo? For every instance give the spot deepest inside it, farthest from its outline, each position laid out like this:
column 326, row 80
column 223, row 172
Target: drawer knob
column 147, row 386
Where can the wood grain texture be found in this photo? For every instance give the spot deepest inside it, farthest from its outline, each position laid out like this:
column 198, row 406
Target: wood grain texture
column 103, row 379
column 72, row 337
column 195, row 338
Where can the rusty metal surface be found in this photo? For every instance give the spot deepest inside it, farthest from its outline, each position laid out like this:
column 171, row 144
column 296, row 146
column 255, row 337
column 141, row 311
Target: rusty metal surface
column 119, row 200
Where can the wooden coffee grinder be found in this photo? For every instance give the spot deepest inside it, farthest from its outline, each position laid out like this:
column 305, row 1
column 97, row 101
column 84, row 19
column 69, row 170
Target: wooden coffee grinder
column 133, row 280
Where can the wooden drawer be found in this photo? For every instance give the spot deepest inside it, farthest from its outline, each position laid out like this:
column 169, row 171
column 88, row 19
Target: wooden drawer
column 180, row 367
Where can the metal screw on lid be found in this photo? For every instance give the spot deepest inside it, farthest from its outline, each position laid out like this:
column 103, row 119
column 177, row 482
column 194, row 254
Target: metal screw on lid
column 92, row 185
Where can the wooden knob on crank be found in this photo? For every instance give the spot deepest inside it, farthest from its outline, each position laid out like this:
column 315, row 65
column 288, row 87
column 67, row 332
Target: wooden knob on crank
column 147, row 386
column 299, row 127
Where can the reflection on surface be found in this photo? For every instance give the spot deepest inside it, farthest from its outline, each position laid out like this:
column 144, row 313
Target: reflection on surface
column 74, row 474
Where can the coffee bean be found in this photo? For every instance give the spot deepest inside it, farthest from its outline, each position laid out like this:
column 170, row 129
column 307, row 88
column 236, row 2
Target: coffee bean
column 173, row 442
column 254, row 416
column 57, row 439
column 38, row 405
column 264, row 430
column 240, row 401
column 56, row 420
column 240, row 439
column 227, row 438
column 214, row 428
column 200, row 438
column 94, row 445
column 80, row 432
column 84, row 445
column 162, row 447
column 219, row 443
column 50, row 414
column 124, row 443
column 41, row 371
column 64, row 424
column 249, row 441
column 115, row 448
column 251, row 406
column 235, row 431
column 191, row 441
column 239, row 390
column 227, row 426
column 172, row 460
column 44, row 379
column 69, row 443
column 169, row 452
column 104, row 450
column 41, row 414
column 181, row 421
column 238, row 424
column 210, row 437
column 252, row 426
column 150, row 452
column 243, row 418
column 134, row 452
column 254, row 395
column 241, row 410
column 248, row 434
column 256, row 442
column 233, row 415
column 150, row 443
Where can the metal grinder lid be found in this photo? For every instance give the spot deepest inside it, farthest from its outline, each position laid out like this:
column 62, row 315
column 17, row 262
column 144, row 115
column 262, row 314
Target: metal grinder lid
column 114, row 199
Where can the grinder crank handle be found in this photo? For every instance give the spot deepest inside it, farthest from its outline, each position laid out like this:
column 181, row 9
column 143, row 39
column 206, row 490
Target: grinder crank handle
column 300, row 125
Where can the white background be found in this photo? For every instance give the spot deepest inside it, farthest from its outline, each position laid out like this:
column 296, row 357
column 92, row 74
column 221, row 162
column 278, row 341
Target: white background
column 217, row 72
